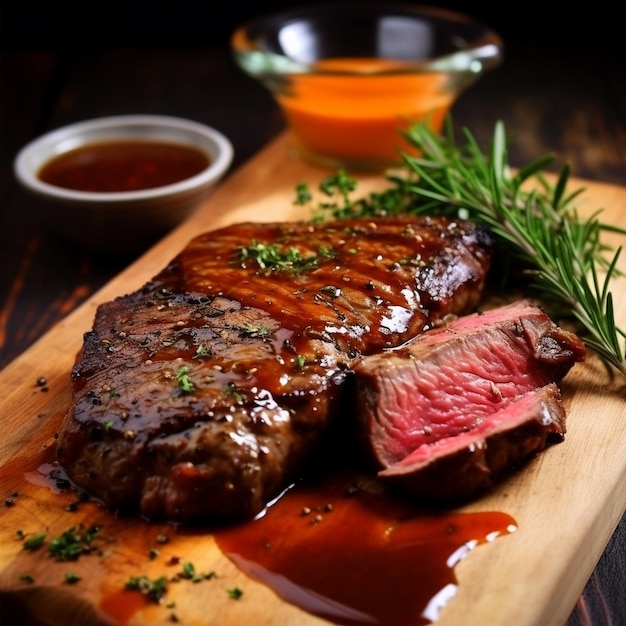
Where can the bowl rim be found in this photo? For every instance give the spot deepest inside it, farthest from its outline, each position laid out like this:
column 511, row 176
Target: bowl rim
column 482, row 53
column 52, row 144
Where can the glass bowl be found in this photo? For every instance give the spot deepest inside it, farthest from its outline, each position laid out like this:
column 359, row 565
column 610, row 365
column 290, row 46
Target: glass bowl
column 349, row 77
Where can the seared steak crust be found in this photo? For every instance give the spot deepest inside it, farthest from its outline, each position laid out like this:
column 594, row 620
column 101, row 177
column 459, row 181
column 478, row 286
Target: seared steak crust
column 203, row 393
column 448, row 412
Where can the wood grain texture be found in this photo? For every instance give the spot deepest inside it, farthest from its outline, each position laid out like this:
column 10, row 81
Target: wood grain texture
column 567, row 501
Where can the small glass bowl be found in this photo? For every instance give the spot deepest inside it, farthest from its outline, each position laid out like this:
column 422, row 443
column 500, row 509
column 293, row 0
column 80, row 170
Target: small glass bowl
column 349, row 77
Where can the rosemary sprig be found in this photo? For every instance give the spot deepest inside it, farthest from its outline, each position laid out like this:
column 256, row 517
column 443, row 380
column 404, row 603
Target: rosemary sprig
column 534, row 222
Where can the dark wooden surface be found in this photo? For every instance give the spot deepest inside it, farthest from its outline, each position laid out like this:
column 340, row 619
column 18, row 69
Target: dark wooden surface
column 561, row 89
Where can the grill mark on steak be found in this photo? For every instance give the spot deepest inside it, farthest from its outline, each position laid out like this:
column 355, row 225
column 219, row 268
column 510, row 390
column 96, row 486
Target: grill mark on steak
column 265, row 356
column 447, row 413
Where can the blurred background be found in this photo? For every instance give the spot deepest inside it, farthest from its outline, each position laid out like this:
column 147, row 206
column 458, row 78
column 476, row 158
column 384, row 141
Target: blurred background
column 54, row 24
column 556, row 53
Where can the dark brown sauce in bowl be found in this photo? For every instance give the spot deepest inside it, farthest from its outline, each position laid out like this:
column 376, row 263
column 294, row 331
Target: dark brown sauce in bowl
column 123, row 165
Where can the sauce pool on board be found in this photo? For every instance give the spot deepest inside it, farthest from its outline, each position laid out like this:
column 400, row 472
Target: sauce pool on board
column 123, row 165
column 337, row 546
column 353, row 555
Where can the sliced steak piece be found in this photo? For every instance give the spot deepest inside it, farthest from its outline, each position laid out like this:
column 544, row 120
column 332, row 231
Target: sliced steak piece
column 447, row 413
column 203, row 393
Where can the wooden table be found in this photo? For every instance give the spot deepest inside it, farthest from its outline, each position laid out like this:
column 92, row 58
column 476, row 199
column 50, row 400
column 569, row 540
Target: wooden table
column 572, row 104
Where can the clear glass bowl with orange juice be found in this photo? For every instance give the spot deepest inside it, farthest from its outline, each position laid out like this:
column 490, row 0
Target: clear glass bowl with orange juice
column 349, row 77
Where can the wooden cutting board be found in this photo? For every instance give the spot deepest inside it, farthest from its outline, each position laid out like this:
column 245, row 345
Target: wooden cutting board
column 566, row 502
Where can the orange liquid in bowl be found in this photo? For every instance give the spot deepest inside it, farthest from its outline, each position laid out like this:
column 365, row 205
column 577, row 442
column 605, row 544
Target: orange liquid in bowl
column 355, row 119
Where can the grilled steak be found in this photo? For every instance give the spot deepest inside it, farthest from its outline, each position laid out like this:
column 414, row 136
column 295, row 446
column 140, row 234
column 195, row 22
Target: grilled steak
column 202, row 394
column 455, row 407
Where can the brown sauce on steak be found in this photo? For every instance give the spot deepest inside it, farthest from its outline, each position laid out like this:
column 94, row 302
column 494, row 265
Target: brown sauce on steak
column 373, row 281
column 204, row 392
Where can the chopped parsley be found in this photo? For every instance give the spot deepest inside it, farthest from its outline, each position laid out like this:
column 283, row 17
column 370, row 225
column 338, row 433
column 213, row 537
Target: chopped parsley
column 273, row 257
column 202, row 352
column 34, row 543
column 303, row 194
column 71, row 578
column 189, row 573
column 235, row 593
column 231, row 389
column 72, row 543
column 254, row 330
column 68, row 546
column 184, row 383
column 152, row 589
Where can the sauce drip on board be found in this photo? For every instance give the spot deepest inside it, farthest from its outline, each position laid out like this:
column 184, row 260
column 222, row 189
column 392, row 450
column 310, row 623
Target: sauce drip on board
column 353, row 109
column 347, row 552
column 337, row 547
column 125, row 165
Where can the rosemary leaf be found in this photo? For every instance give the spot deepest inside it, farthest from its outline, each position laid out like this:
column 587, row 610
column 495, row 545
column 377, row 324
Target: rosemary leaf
column 536, row 226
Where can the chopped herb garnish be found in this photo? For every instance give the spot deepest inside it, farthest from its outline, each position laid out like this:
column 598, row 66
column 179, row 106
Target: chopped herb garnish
column 326, row 252
column 72, row 543
column 231, row 389
column 189, row 573
column 272, row 257
column 185, row 384
column 34, row 543
column 303, row 194
column 152, row 589
column 71, row 578
column 202, row 352
column 254, row 330
column 235, row 593
column 27, row 578
column 300, row 361
column 339, row 183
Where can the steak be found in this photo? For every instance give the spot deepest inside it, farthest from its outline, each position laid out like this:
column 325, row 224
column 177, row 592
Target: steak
column 202, row 394
column 449, row 412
